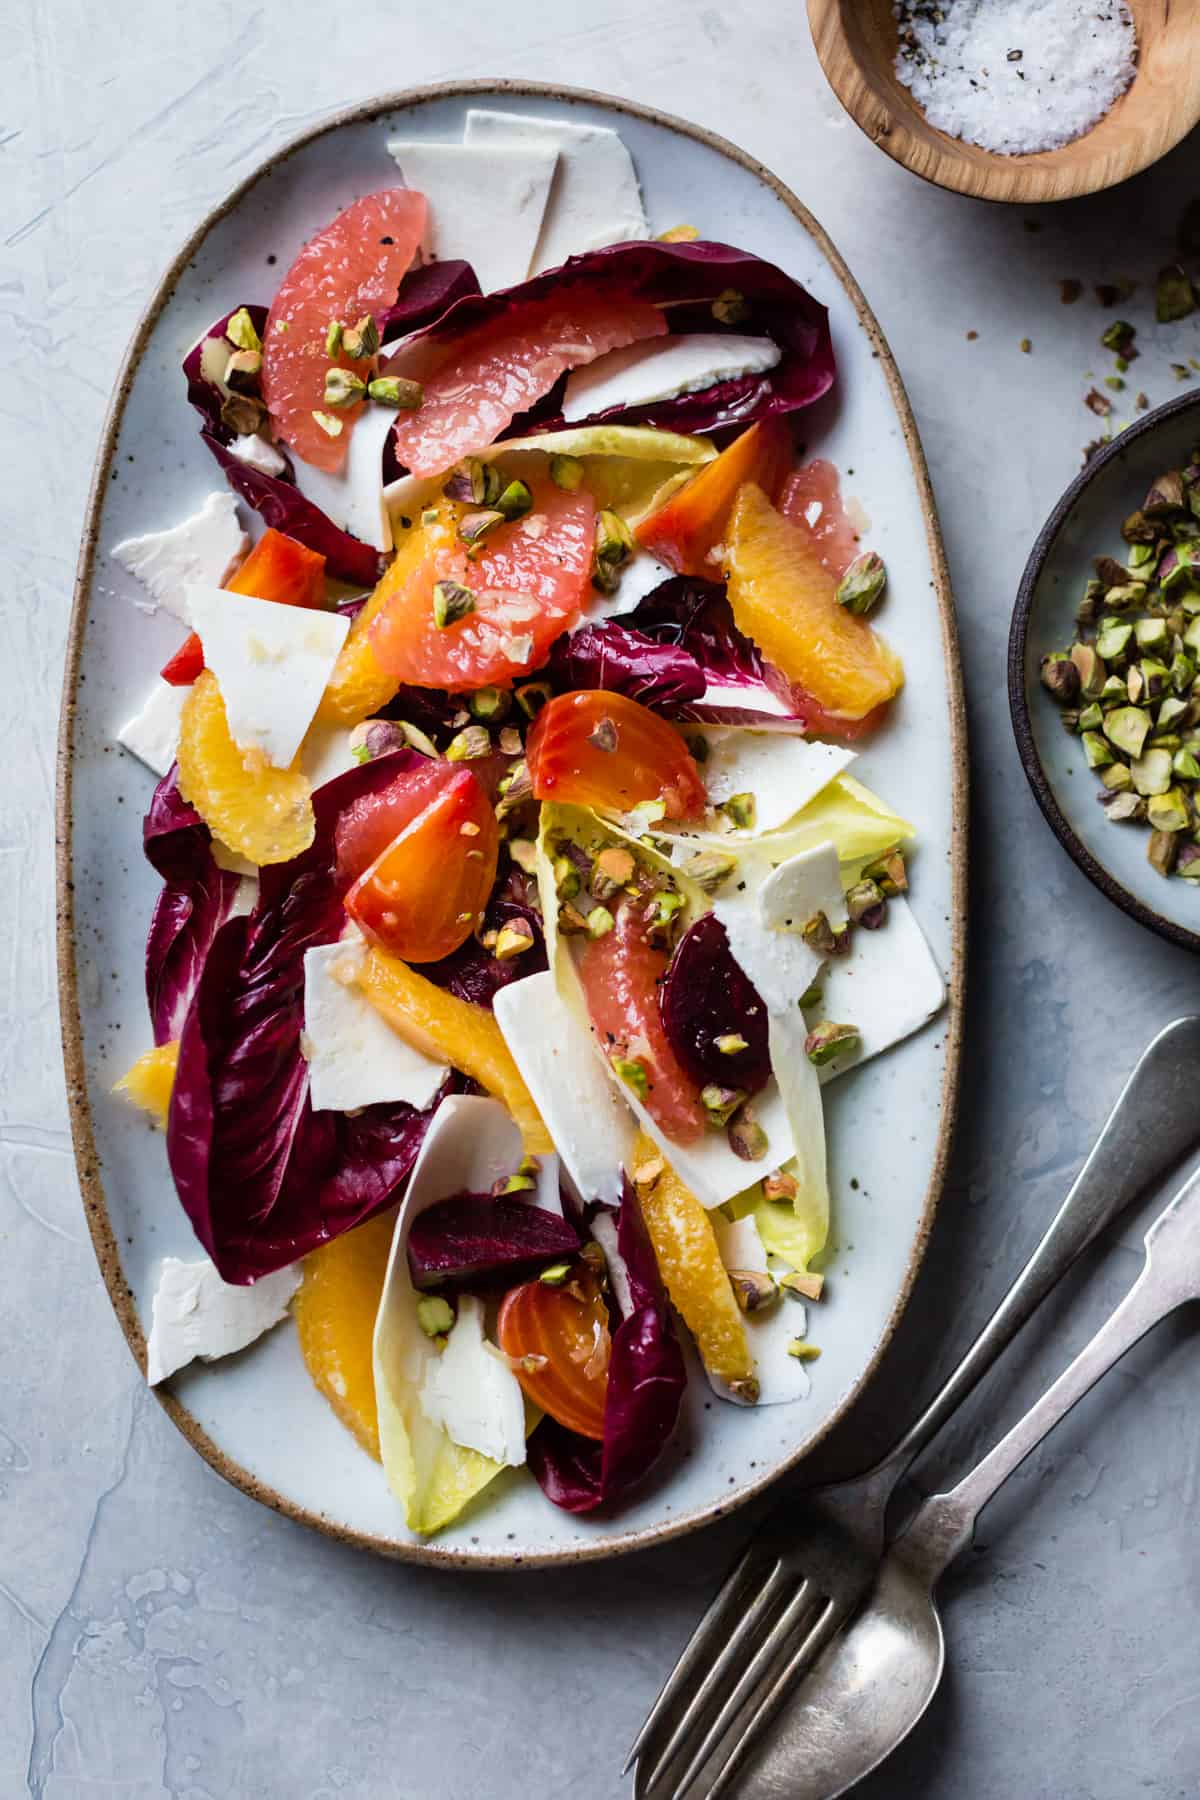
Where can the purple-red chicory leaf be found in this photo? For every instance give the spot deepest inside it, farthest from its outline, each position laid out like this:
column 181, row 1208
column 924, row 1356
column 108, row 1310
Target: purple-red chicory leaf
column 262, row 1177
column 426, row 292
column 194, row 902
column 470, row 1235
column 473, row 973
column 662, row 676
column 646, row 1379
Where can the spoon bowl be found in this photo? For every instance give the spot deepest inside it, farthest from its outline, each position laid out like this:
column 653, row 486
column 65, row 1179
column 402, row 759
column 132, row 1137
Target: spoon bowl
column 856, row 41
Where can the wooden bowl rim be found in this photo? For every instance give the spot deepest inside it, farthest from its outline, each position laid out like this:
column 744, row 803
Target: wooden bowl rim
column 951, row 163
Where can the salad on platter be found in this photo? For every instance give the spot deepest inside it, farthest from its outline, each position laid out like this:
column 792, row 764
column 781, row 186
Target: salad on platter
column 518, row 898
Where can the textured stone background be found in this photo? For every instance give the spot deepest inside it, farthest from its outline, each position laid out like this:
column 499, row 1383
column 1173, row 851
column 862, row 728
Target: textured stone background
column 162, row 1636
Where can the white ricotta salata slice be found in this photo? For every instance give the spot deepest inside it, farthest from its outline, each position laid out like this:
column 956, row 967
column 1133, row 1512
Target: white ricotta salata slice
column 196, row 1314
column 556, row 1054
column 594, row 198
column 486, row 201
column 805, row 884
column 779, row 963
column 745, row 698
column 271, row 663
column 887, row 987
column 203, row 549
column 326, row 753
column 354, row 1057
column 781, row 1378
column 662, row 369
column 352, row 496
column 471, row 1392
column 258, row 452
column 471, row 1142
column 780, row 769
column 152, row 735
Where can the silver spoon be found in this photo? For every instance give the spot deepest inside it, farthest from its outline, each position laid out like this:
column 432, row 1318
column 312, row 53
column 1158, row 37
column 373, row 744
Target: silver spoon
column 813, row 1562
column 875, row 1682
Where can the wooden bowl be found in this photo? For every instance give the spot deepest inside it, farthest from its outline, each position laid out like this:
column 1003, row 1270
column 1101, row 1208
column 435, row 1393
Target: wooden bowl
column 856, row 41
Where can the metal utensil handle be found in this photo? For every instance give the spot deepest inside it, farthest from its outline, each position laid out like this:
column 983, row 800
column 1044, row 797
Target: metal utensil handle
column 1152, row 1126
column 943, row 1525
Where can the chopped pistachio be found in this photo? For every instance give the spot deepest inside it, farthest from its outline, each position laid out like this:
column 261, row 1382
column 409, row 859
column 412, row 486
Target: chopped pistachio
column 861, row 587
column 1152, row 771
column 394, row 390
column 720, row 1103
column 1151, row 634
column 514, row 501
column 709, row 869
column 474, row 528
column 1118, row 337
column 1116, row 778
column 666, row 905
column 1188, row 862
column 730, row 1043
column 603, row 736
column 513, row 939
column 1112, row 640
column 418, row 740
column 567, row 879
column 780, row 1186
column 1138, row 529
column 524, row 853
column 1123, row 808
column 1128, row 727
column 648, row 1171
column 866, row 904
column 333, row 338
column 532, row 696
column 1154, row 678
column 1097, row 752
column 1174, row 296
column 599, row 922
column 1114, row 382
column 1171, row 713
column 1091, row 718
column 679, row 234
column 362, row 340
column 753, row 1289
column 1162, row 852
column 451, row 602
column 491, row 704
column 430, row 516
column 1060, row 677
column 329, row 423
column 1115, row 692
column 469, row 743
column 729, row 307
column 747, row 1138
column 475, row 482
column 889, row 872
column 1186, row 765
column 435, row 1316
column 806, row 1285
column 1166, row 495
column 819, row 934
column 613, row 546
column 1182, row 672
column 826, row 1041
column 633, row 1073
column 741, row 810
column 1169, row 811
column 245, row 415
column 556, row 1274
column 243, row 371
column 566, row 472
column 811, row 996
column 343, row 387
column 803, row 1352
column 240, row 331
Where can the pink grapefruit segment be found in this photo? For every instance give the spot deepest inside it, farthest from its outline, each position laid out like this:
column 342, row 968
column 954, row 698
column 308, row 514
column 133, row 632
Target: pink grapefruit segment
column 476, row 385
column 354, row 266
column 529, row 586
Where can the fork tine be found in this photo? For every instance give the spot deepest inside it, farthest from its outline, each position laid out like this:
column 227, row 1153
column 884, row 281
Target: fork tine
column 775, row 1643
column 802, row 1658
column 759, row 1617
column 727, row 1600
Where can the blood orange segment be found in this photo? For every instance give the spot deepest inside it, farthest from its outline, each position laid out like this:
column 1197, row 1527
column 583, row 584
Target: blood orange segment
column 353, row 267
column 558, row 1338
column 475, row 386
column 812, row 499
column 695, row 1278
column 334, row 1309
column 425, row 894
column 454, row 1031
column 605, row 750
column 686, row 531
column 264, row 813
column 370, row 823
column 528, row 586
column 784, row 598
column 621, row 974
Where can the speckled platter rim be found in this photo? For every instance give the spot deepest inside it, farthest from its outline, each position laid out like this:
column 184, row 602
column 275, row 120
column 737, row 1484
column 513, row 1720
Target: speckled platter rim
column 1018, row 697
column 87, row 1161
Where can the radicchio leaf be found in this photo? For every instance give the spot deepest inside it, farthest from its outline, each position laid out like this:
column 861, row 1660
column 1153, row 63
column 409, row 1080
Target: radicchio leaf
column 470, row 1235
column 662, row 676
column 276, row 497
column 473, row 973
column 707, row 996
column 425, row 294
column 264, row 1178
column 646, row 1379
column 195, row 901
column 685, row 279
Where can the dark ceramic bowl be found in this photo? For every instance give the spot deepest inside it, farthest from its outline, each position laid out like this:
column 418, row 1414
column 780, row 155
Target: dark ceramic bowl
column 1087, row 523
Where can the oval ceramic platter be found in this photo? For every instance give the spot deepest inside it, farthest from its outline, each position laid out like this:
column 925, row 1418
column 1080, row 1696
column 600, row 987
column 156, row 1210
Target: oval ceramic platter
column 257, row 1417
column 1087, row 523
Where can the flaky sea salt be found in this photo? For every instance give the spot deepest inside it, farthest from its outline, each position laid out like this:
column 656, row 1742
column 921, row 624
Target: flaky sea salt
column 1015, row 75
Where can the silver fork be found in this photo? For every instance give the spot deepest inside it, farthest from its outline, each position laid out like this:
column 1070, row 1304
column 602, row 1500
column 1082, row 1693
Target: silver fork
column 808, row 1570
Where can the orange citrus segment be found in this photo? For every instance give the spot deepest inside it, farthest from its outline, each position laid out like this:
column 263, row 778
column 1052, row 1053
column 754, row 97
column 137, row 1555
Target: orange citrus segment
column 454, row 1030
column 689, row 1261
column 351, row 268
column 334, row 1309
column 264, row 813
column 784, row 598
column 149, row 1082
column 359, row 686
